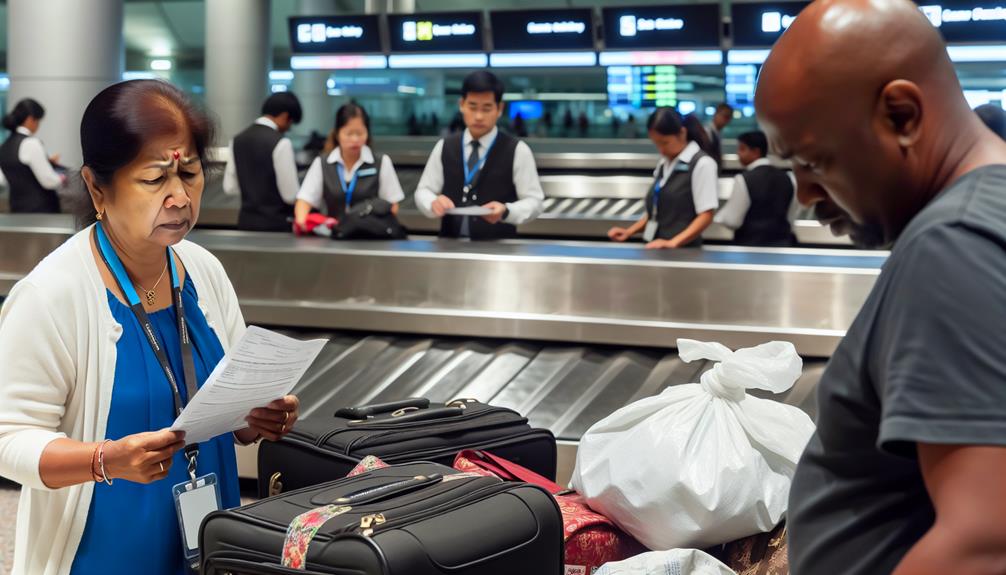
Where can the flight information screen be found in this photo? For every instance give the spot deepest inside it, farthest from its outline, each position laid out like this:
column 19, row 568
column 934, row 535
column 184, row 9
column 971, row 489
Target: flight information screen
column 335, row 34
column 662, row 27
column 568, row 29
column 440, row 32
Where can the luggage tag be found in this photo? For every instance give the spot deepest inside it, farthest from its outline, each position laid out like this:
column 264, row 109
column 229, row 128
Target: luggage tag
column 651, row 229
column 367, row 172
column 194, row 500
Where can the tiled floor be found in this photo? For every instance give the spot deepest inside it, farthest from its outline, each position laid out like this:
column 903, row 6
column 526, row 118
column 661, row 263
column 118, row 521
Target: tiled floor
column 8, row 514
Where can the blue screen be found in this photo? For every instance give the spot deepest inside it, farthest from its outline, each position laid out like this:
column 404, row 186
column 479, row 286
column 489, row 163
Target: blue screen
column 528, row 109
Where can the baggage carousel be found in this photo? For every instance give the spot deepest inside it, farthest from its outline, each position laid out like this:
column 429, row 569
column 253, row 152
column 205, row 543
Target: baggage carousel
column 564, row 332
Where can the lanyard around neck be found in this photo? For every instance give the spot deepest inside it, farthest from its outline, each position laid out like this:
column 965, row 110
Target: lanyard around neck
column 114, row 265
column 352, row 184
column 470, row 173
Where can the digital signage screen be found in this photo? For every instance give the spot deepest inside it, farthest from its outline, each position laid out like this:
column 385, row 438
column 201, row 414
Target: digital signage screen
column 760, row 25
column 569, row 29
column 439, row 32
column 662, row 27
column 335, row 34
column 968, row 21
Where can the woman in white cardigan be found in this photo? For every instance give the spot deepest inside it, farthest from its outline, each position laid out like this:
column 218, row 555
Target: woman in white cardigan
column 85, row 398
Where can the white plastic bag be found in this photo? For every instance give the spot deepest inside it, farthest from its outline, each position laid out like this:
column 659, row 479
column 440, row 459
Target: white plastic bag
column 673, row 562
column 700, row 464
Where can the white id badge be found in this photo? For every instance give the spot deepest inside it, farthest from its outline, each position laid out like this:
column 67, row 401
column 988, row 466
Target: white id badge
column 651, row 231
column 194, row 503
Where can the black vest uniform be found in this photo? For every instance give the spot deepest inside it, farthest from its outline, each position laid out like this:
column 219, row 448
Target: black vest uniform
column 26, row 194
column 676, row 209
column 493, row 183
column 262, row 206
column 367, row 186
column 767, row 222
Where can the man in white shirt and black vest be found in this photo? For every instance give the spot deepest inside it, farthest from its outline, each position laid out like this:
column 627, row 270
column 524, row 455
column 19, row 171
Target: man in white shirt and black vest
column 262, row 168
column 480, row 167
column 763, row 204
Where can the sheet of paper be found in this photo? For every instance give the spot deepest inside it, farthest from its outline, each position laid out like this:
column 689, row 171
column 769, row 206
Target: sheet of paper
column 470, row 211
column 262, row 367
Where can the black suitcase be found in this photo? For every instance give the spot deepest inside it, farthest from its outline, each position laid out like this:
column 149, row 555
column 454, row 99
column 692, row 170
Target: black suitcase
column 404, row 520
column 327, row 446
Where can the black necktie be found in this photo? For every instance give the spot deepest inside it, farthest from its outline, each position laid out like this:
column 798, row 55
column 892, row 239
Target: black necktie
column 473, row 158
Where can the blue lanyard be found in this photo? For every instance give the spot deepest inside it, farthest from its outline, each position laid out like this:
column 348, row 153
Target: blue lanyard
column 656, row 190
column 470, row 174
column 114, row 265
column 352, row 184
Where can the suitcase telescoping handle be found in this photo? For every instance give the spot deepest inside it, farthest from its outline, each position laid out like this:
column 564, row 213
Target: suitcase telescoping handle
column 397, row 488
column 411, row 416
column 365, row 411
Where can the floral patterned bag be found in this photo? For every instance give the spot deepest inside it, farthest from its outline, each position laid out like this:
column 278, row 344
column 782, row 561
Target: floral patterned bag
column 591, row 539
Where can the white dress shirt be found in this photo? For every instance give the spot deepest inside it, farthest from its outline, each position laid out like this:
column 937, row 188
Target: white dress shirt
column 705, row 194
column 312, row 190
column 283, row 164
column 32, row 154
column 530, row 196
column 736, row 208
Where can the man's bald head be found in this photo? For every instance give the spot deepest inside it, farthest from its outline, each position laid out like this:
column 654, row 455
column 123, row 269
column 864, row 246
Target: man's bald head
column 862, row 95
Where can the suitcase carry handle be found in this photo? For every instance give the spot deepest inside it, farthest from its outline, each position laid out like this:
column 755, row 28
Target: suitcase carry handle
column 509, row 471
column 365, row 411
column 373, row 494
column 407, row 416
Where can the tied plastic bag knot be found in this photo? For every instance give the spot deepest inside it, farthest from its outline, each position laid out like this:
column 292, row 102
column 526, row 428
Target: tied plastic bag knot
column 773, row 366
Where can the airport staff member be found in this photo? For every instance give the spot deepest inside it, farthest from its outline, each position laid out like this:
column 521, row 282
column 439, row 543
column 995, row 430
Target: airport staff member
column 481, row 167
column 904, row 474
column 763, row 204
column 29, row 172
column 721, row 119
column 262, row 167
column 350, row 174
column 89, row 383
column 681, row 202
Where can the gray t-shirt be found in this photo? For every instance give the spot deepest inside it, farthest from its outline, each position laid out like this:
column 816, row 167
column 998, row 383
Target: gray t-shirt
column 924, row 362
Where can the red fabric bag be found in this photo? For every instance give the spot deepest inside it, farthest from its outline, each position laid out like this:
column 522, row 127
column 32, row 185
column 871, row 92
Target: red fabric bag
column 591, row 539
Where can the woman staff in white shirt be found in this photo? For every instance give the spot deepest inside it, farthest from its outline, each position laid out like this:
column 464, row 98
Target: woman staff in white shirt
column 349, row 174
column 33, row 181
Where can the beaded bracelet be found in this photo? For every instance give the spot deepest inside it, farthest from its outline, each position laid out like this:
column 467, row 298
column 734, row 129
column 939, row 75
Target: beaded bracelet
column 101, row 462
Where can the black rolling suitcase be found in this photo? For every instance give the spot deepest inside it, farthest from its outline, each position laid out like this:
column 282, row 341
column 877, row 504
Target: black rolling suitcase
column 328, row 444
column 410, row 519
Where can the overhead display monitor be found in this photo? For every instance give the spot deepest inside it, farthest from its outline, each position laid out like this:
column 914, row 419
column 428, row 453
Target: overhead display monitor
column 757, row 25
column 968, row 20
column 524, row 30
column 335, row 34
column 662, row 27
column 436, row 32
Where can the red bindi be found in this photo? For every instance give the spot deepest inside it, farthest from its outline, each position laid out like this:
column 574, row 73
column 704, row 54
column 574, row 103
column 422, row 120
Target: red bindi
column 175, row 154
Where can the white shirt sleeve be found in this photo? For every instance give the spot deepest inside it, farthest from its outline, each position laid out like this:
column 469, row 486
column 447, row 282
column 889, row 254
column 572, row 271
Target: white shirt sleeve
column 704, row 185
column 389, row 188
column 431, row 184
column 32, row 154
column 794, row 206
column 732, row 213
column 285, row 166
column 231, row 187
column 530, row 196
column 312, row 188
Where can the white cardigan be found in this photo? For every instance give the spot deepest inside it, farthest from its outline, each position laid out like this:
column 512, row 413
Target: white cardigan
column 57, row 368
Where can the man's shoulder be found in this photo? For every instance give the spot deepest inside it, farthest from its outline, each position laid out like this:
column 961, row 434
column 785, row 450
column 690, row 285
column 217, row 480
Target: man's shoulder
column 975, row 203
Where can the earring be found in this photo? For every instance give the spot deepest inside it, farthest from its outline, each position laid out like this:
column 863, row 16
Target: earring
column 99, row 216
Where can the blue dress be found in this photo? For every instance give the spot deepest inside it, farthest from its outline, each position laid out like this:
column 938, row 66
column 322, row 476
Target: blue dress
column 133, row 528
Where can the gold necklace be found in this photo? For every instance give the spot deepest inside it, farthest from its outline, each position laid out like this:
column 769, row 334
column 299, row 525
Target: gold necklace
column 149, row 293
